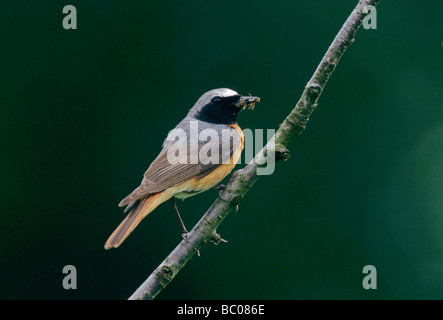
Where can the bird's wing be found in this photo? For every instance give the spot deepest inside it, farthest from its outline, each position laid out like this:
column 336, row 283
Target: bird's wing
column 174, row 165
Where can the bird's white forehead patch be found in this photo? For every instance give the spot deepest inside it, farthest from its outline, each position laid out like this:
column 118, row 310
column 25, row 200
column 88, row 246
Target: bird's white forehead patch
column 225, row 92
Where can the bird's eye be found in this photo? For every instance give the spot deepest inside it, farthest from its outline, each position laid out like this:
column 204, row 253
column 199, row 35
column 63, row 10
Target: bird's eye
column 217, row 100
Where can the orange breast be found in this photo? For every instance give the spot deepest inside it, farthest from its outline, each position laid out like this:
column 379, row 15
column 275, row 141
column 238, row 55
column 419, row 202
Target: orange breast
column 207, row 182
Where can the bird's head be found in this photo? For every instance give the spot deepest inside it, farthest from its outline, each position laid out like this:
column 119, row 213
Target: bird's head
column 221, row 106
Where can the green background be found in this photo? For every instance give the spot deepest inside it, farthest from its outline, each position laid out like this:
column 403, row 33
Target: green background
column 84, row 112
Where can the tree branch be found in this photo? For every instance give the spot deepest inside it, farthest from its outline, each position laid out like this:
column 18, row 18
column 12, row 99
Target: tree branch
column 242, row 180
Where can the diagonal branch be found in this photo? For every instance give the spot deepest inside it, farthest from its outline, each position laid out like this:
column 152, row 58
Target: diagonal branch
column 242, row 180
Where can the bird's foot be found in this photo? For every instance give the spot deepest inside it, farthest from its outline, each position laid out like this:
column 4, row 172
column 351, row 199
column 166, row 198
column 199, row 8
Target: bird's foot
column 185, row 237
column 220, row 188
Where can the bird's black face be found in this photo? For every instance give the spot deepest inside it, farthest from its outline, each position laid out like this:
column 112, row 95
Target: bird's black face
column 221, row 106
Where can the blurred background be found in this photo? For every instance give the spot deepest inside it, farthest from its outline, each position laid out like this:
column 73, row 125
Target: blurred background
column 85, row 111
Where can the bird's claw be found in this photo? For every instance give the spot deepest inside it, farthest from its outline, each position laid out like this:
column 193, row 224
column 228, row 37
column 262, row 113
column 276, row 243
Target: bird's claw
column 185, row 237
column 220, row 188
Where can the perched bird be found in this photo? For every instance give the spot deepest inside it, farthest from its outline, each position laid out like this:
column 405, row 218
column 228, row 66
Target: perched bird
column 202, row 149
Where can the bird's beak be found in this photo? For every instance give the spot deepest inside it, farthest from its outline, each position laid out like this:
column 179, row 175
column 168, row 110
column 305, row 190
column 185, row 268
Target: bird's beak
column 247, row 102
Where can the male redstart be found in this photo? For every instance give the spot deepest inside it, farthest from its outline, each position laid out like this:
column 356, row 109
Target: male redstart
column 202, row 149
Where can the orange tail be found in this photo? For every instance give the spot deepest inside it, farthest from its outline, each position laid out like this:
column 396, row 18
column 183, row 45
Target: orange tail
column 137, row 214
